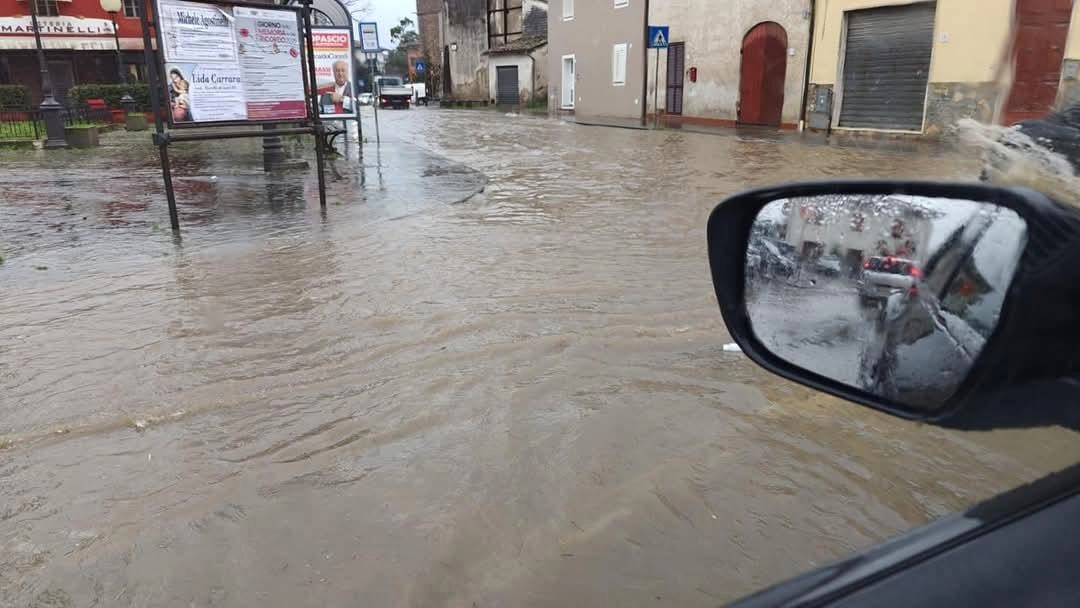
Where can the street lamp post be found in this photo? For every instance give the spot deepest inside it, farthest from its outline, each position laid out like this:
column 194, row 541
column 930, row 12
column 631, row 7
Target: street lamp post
column 51, row 110
column 112, row 7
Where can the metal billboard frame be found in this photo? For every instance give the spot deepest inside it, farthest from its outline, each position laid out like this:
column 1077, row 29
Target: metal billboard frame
column 163, row 136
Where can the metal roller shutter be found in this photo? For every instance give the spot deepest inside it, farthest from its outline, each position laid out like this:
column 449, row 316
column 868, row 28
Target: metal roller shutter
column 886, row 67
column 506, row 85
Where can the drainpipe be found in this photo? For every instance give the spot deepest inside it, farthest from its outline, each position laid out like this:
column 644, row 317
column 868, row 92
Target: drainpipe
column 645, row 68
column 806, row 75
column 532, row 78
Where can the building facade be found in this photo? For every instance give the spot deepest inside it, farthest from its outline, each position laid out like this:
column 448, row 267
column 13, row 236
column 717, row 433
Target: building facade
column 889, row 226
column 920, row 67
column 79, row 44
column 596, row 60
column 470, row 43
column 749, row 70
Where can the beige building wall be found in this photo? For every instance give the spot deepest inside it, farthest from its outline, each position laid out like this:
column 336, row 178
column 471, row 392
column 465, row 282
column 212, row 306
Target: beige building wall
column 713, row 33
column 969, row 41
column 1072, row 47
column 590, row 36
column 969, row 36
column 1069, row 89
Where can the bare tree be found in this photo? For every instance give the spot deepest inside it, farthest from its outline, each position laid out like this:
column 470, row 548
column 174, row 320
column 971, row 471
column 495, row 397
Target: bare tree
column 358, row 8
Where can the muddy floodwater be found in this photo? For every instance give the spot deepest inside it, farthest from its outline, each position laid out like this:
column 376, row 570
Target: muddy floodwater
column 422, row 398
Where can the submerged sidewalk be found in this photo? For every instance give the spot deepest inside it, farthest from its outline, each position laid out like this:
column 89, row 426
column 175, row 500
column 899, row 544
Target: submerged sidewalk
column 65, row 198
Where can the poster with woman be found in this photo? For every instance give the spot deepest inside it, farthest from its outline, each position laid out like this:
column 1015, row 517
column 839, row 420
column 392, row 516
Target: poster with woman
column 179, row 95
column 205, row 92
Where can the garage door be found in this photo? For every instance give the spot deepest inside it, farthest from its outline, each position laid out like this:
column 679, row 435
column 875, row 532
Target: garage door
column 886, row 67
column 506, row 85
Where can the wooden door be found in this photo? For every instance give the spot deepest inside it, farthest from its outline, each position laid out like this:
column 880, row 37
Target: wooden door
column 1042, row 26
column 761, row 79
column 676, row 68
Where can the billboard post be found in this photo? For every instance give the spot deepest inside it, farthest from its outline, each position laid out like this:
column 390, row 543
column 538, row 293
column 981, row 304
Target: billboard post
column 319, row 132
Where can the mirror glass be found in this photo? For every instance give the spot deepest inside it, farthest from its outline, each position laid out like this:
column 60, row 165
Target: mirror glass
column 892, row 294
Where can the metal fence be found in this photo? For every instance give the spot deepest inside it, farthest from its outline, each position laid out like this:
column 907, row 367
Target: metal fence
column 87, row 115
column 20, row 124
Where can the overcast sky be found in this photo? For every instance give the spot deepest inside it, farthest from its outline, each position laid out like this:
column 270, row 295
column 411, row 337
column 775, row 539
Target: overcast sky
column 386, row 13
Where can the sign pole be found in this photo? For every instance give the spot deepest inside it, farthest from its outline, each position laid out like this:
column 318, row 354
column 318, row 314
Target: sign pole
column 309, row 36
column 359, row 125
column 656, row 93
column 369, row 44
column 658, row 39
column 375, row 87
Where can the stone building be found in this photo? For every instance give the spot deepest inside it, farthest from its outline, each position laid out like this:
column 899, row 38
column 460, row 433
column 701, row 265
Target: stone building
column 919, row 67
column 751, row 70
column 469, row 43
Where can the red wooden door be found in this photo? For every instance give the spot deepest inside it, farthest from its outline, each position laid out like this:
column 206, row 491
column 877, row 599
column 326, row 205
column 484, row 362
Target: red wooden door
column 1042, row 26
column 761, row 79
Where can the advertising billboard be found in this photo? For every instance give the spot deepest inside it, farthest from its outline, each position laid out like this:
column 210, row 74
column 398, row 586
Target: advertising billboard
column 334, row 72
column 231, row 63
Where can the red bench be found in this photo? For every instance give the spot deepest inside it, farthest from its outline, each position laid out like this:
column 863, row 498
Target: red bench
column 98, row 110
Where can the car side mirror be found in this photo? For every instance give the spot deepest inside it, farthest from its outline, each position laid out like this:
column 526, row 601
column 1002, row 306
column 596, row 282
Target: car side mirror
column 900, row 296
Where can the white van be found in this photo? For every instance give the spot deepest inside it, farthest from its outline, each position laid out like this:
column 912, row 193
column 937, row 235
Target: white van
column 419, row 93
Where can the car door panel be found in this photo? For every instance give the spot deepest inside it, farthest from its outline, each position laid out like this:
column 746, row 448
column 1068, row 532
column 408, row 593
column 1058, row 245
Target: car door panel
column 1016, row 549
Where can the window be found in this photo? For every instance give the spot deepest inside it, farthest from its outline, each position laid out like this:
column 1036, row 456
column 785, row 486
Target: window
column 504, row 21
column 568, row 68
column 618, row 64
column 622, row 3
column 568, row 9
column 131, row 9
column 47, row 8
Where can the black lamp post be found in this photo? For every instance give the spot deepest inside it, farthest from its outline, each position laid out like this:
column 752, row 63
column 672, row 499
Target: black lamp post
column 112, row 7
column 51, row 110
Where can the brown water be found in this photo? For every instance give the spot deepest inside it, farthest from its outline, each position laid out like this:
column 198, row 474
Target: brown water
column 520, row 399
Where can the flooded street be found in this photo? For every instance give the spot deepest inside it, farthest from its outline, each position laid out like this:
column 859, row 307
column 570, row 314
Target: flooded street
column 422, row 398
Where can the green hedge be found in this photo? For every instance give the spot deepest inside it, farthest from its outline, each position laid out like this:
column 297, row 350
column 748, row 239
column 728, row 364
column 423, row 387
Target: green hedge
column 111, row 93
column 14, row 97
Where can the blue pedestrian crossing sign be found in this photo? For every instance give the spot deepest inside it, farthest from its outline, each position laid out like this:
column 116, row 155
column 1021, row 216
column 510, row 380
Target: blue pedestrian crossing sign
column 420, row 67
column 659, row 36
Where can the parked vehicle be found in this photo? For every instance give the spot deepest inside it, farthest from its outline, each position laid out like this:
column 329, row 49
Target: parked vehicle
column 770, row 258
column 392, row 93
column 828, row 266
column 884, row 275
column 419, row 90
column 366, row 99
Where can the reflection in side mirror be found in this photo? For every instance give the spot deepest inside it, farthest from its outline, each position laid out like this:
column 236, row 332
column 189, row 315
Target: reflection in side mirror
column 894, row 295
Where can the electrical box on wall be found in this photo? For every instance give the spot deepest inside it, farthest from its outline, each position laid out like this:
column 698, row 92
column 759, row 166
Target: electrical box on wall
column 821, row 117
